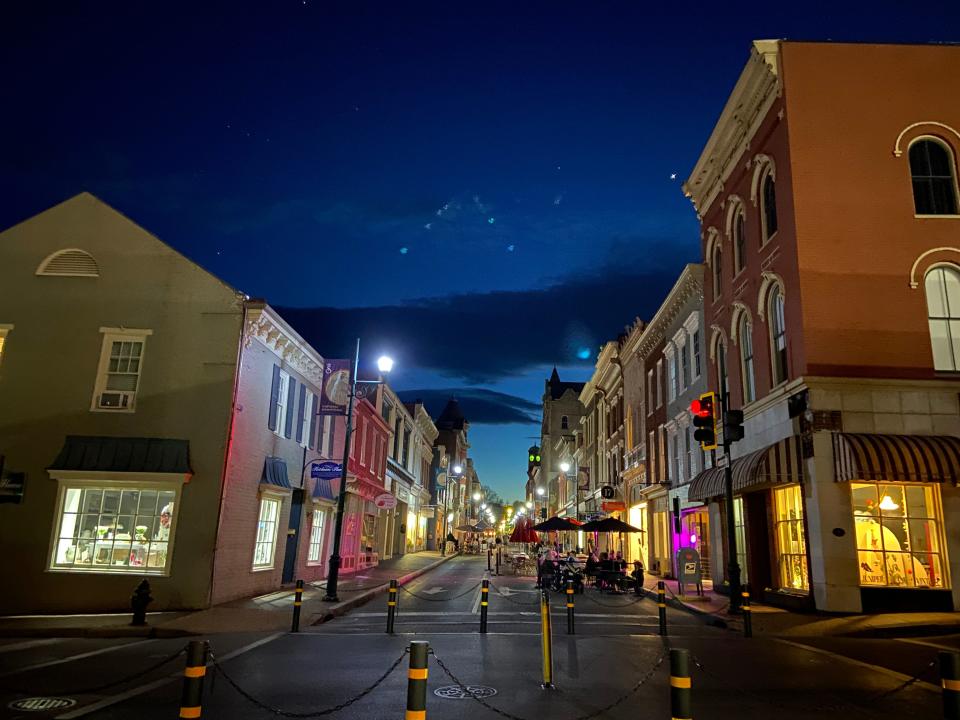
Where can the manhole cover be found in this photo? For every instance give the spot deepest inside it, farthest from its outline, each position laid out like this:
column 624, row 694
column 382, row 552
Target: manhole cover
column 455, row 692
column 39, row 704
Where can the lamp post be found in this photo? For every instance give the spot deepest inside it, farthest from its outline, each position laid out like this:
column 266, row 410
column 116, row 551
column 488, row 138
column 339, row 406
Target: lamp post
column 447, row 517
column 384, row 365
column 545, row 504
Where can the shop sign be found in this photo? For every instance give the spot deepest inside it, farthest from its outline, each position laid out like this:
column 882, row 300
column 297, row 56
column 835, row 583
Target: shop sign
column 385, row 501
column 326, row 470
column 606, row 492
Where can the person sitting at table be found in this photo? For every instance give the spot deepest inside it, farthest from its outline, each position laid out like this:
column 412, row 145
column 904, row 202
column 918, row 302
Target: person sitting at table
column 637, row 576
column 572, row 559
column 590, row 570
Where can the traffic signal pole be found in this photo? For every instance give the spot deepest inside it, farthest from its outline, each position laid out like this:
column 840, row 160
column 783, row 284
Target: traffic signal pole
column 733, row 567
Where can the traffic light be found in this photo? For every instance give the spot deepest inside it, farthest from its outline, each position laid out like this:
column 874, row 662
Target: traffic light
column 534, row 457
column 705, row 420
column 732, row 426
column 543, row 513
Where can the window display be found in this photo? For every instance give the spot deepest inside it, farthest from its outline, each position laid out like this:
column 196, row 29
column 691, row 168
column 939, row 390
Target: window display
column 109, row 529
column 791, row 548
column 899, row 540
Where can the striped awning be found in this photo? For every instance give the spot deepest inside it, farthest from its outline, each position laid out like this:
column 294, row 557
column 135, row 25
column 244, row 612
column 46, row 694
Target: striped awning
column 911, row 458
column 777, row 464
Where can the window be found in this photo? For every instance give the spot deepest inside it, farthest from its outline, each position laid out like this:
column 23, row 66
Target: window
column 768, row 199
column 685, row 366
column 314, row 556
column 778, row 337
column 118, row 375
column 307, row 412
column 406, row 446
column 4, row 331
column 677, row 458
column 740, row 531
column 691, row 446
column 942, row 286
column 791, row 548
column 281, row 402
column 899, row 534
column 672, row 368
column 717, row 271
column 564, row 423
column 115, row 530
column 746, row 360
column 739, row 242
column 659, row 383
column 650, row 389
column 329, row 429
column 723, row 385
column 266, row 533
column 696, row 353
column 934, row 180
column 651, row 452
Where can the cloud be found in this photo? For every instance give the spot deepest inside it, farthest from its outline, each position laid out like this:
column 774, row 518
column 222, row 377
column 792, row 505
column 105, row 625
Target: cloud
column 480, row 406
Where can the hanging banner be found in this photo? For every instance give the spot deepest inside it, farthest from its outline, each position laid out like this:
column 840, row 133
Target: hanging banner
column 583, row 477
column 336, row 387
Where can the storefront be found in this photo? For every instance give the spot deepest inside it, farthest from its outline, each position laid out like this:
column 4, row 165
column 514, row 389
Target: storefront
column 660, row 547
column 639, row 543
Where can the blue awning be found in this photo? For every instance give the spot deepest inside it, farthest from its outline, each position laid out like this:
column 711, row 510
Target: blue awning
column 275, row 472
column 322, row 489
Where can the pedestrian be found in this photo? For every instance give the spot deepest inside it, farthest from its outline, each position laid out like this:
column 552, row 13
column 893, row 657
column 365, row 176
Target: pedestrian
column 637, row 576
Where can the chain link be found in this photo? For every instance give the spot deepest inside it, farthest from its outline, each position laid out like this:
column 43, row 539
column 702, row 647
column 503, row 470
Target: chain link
column 218, row 668
column 443, row 599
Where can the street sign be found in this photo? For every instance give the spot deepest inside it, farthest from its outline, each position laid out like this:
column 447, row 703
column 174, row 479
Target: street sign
column 385, row 501
column 326, row 470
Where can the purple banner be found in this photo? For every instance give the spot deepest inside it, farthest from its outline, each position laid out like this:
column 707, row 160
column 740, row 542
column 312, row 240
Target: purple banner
column 336, row 387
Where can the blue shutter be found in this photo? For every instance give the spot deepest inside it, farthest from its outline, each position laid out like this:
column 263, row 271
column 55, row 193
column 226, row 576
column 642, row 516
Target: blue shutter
column 300, row 412
column 291, row 404
column 274, row 398
column 312, row 440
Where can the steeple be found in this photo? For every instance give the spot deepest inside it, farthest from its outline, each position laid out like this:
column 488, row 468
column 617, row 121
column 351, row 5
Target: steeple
column 555, row 376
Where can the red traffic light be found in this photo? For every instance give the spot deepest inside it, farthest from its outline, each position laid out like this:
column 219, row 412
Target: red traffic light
column 701, row 409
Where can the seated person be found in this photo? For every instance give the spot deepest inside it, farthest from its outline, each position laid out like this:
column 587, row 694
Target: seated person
column 637, row 576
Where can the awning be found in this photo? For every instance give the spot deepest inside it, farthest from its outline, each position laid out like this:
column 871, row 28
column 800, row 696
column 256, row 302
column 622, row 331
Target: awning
column 123, row 455
column 779, row 464
column 911, row 458
column 275, row 472
column 322, row 489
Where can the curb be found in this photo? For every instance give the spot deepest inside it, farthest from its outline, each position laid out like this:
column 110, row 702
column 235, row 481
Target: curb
column 124, row 631
column 367, row 595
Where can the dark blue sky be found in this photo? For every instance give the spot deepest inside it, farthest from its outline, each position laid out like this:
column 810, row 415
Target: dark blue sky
column 484, row 189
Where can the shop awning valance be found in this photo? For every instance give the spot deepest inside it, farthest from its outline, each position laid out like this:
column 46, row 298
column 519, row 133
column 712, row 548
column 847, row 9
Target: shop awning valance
column 778, row 464
column 322, row 489
column 275, row 472
column 123, row 455
column 912, row 458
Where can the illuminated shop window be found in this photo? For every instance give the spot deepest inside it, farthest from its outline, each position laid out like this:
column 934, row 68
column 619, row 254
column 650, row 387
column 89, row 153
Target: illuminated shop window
column 899, row 535
column 791, row 549
column 263, row 550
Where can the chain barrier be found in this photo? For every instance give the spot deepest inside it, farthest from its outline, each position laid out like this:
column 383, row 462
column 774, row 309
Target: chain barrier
column 683, row 605
column 218, row 669
column 443, row 599
column 596, row 713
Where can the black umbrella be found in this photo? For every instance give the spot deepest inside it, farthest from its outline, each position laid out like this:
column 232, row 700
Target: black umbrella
column 556, row 524
column 609, row 525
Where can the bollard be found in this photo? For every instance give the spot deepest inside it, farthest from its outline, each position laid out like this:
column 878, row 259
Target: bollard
column 570, row 629
column 662, row 606
column 297, row 602
column 498, row 562
column 489, row 554
column 950, row 680
column 546, row 641
column 484, row 594
column 391, row 606
column 680, row 684
column 417, row 680
column 190, row 699
column 747, row 615
column 138, row 602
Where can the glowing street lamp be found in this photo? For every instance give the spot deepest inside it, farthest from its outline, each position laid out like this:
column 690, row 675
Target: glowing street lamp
column 457, row 469
column 565, row 467
column 384, row 363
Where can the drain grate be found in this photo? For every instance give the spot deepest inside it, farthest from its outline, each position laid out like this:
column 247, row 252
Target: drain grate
column 455, row 692
column 40, row 704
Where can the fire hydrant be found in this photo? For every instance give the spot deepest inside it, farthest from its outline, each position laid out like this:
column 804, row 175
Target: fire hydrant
column 139, row 600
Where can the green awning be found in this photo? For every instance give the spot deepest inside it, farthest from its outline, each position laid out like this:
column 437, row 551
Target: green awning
column 124, row 455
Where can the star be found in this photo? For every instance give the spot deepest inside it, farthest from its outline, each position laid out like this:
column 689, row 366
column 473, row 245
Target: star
column 673, row 176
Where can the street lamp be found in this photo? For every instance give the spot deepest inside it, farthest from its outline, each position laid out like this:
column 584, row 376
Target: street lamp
column 457, row 470
column 565, row 467
column 385, row 364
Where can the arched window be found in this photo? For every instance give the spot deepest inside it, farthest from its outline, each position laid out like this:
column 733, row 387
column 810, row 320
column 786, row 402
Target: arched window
column 768, row 197
column 717, row 271
column 739, row 241
column 778, row 336
column 746, row 359
column 934, row 179
column 723, row 386
column 564, row 423
column 943, row 315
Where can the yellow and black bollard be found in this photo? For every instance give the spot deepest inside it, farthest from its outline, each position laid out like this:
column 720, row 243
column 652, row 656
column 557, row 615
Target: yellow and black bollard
column 950, row 680
column 193, row 673
column 570, row 630
column 391, row 606
column 417, row 680
column 297, row 602
column 680, row 708
column 484, row 595
column 662, row 606
column 747, row 615
column 546, row 641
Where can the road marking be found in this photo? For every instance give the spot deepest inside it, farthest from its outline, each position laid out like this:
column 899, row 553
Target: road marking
column 140, row 690
column 898, row 676
column 434, row 590
column 476, row 602
column 71, row 658
column 507, row 591
column 927, row 643
column 29, row 644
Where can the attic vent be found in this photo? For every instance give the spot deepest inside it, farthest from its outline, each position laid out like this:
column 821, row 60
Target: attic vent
column 69, row 263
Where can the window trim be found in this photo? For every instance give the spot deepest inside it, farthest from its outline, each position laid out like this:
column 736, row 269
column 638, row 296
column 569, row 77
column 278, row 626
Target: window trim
column 956, row 181
column 319, row 544
column 111, row 335
column 267, row 496
column 283, row 397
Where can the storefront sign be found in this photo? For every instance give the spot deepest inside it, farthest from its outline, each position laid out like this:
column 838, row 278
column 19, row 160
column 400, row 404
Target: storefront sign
column 385, row 501
column 336, row 387
column 606, row 492
column 614, row 507
column 326, row 470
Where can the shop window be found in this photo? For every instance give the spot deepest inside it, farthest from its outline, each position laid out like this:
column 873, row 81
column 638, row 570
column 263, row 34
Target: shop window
column 740, row 530
column 316, row 538
column 933, row 178
column 791, row 548
column 899, row 535
column 109, row 529
column 942, row 286
column 263, row 551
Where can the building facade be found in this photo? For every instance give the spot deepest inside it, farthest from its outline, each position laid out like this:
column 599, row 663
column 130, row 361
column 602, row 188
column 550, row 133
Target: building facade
column 561, row 416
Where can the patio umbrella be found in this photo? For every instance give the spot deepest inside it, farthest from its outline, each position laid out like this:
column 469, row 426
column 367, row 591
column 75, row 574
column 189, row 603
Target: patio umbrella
column 609, row 525
column 556, row 524
column 523, row 532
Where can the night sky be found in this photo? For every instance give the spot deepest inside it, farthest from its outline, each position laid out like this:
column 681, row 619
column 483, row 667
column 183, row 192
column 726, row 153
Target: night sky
column 482, row 189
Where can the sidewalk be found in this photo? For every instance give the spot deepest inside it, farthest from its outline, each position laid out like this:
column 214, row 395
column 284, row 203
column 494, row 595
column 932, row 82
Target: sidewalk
column 271, row 612
column 775, row 621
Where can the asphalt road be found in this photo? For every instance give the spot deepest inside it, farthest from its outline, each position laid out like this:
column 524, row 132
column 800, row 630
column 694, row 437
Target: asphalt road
column 616, row 646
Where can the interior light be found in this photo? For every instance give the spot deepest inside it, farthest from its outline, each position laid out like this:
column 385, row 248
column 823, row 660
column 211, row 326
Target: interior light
column 887, row 503
column 693, row 539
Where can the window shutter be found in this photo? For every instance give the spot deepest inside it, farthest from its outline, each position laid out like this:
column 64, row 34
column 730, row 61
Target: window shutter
column 274, row 398
column 301, row 411
column 313, row 441
column 291, row 403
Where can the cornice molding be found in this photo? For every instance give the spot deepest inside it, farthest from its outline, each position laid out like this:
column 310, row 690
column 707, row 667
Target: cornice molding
column 283, row 342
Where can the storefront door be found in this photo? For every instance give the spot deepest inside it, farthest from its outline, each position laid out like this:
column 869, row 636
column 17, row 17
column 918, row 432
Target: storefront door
column 696, row 534
column 638, row 549
column 293, row 536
